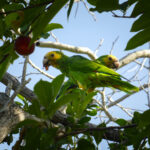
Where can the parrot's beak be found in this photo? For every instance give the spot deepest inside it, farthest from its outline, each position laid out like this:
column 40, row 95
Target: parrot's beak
column 116, row 64
column 46, row 63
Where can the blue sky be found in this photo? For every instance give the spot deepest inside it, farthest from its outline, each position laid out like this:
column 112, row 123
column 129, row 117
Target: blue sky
column 82, row 30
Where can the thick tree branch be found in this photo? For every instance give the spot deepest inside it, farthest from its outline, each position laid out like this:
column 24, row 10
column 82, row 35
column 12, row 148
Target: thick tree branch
column 10, row 117
column 57, row 45
column 133, row 56
column 26, row 92
column 79, row 131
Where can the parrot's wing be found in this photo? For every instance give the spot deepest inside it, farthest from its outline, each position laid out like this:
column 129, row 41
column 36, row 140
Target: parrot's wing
column 79, row 63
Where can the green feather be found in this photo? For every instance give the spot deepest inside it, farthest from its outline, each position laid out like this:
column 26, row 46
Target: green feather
column 90, row 74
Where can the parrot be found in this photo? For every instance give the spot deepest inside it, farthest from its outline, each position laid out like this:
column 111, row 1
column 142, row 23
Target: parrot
column 109, row 61
column 85, row 73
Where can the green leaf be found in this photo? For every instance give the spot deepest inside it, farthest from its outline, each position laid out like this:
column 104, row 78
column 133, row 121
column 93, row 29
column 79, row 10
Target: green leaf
column 139, row 39
column 48, row 138
column 70, row 7
column 13, row 7
column 44, row 91
column 98, row 135
column 141, row 7
column 18, row 103
column 32, row 136
column 145, row 119
column 35, row 108
column 10, row 18
column 8, row 49
column 84, row 119
column 124, row 6
column 57, row 84
column 47, row 93
column 4, row 65
column 45, row 35
column 141, row 23
column 61, row 102
column 92, row 2
column 81, row 103
column 121, row 122
column 85, row 145
column 92, row 112
column 46, row 17
column 3, row 3
column 106, row 5
column 24, row 101
column 52, row 26
column 115, row 146
column 132, row 1
column 2, row 27
column 88, row 99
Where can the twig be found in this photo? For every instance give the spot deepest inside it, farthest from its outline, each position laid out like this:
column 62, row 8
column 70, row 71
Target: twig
column 23, row 82
column 135, row 75
column 115, row 15
column 140, row 64
column 54, row 37
column 38, row 69
column 104, row 106
column 113, row 44
column 32, row 73
column 99, row 45
column 148, row 90
column 91, row 13
column 57, row 45
column 77, row 7
column 121, row 107
column 125, row 96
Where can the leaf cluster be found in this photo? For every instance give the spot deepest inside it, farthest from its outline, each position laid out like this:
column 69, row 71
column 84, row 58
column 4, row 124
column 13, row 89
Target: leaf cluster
column 23, row 18
column 140, row 11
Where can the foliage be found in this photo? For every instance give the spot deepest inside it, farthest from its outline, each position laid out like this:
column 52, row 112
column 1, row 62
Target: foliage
column 25, row 16
column 141, row 25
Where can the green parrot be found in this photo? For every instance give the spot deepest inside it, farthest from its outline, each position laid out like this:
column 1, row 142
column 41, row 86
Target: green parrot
column 87, row 74
column 109, row 61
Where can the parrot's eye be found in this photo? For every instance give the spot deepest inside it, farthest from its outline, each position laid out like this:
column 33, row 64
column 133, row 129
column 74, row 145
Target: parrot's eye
column 52, row 55
column 109, row 58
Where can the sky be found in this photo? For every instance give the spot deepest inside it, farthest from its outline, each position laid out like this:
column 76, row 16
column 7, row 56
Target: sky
column 81, row 30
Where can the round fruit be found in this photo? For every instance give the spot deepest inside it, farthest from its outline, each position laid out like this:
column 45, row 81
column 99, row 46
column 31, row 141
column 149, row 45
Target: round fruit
column 22, row 45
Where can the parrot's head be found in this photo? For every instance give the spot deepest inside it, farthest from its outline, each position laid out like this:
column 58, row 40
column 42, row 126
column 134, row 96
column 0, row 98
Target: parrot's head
column 52, row 59
column 110, row 61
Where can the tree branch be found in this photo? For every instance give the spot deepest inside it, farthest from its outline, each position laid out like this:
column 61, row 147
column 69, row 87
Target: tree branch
column 25, row 92
column 57, row 45
column 133, row 56
column 11, row 117
column 125, row 96
column 79, row 131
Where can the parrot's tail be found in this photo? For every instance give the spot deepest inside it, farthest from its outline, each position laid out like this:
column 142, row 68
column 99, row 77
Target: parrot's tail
column 125, row 86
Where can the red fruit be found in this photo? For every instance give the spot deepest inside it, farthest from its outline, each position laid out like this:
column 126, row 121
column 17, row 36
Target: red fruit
column 22, row 45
